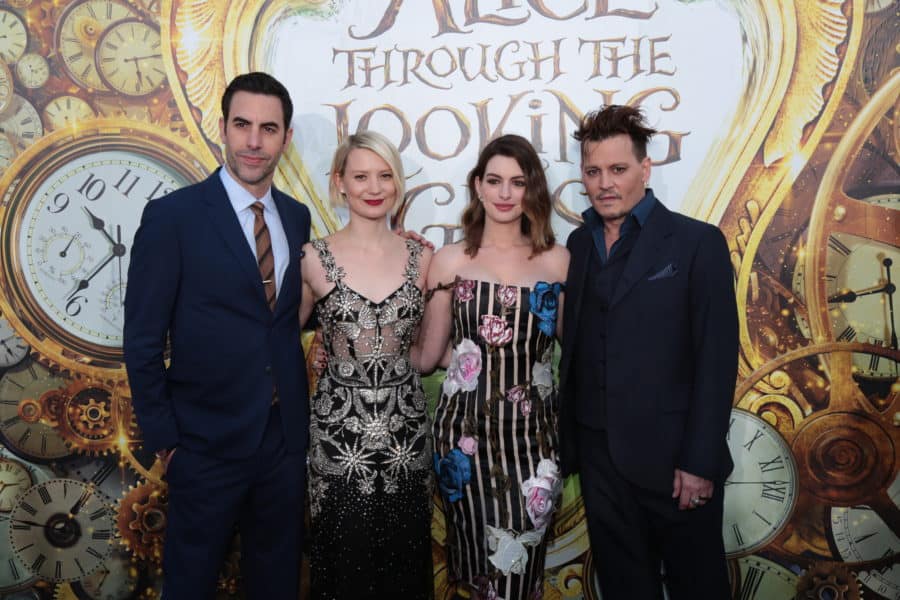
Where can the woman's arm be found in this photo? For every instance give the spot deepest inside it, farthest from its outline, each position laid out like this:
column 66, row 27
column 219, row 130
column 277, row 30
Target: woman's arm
column 434, row 333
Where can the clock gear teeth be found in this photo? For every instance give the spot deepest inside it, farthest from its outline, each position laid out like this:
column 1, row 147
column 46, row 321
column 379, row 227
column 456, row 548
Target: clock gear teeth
column 828, row 580
column 141, row 521
column 93, row 419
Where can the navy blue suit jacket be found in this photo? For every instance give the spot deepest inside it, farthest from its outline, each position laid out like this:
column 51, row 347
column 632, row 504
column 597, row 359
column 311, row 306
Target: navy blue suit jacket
column 193, row 280
column 672, row 350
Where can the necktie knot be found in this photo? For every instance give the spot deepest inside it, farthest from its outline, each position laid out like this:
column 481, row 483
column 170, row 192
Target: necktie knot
column 257, row 208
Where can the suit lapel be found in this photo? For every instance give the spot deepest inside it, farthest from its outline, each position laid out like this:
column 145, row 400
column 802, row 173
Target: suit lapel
column 582, row 244
column 224, row 220
column 291, row 279
column 646, row 249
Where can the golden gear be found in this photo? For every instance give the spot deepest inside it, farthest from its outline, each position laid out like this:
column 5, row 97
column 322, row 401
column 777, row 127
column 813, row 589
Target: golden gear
column 141, row 521
column 51, row 406
column 92, row 418
column 30, row 410
column 828, row 580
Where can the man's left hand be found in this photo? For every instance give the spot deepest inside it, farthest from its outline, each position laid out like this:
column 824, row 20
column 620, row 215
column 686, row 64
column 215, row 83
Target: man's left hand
column 691, row 491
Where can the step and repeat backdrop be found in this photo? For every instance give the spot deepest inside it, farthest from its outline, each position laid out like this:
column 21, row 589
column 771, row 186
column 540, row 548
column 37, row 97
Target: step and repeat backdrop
column 779, row 123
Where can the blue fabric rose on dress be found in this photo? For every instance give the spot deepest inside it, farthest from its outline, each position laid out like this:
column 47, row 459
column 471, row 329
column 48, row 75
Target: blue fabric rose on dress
column 454, row 473
column 544, row 300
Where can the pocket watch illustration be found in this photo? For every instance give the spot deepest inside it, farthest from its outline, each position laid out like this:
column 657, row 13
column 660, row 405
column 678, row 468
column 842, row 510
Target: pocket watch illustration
column 13, row 36
column 65, row 111
column 758, row 577
column 61, row 530
column 129, row 58
column 12, row 347
column 21, row 123
column 7, row 152
column 15, row 479
column 80, row 27
column 32, row 70
column 761, row 491
column 118, row 578
column 75, row 202
column 29, row 401
column 13, row 574
column 6, row 87
column 861, row 536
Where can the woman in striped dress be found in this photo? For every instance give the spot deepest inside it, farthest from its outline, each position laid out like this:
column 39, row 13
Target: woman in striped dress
column 496, row 298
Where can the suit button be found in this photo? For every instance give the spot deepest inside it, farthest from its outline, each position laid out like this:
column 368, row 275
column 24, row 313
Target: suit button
column 268, row 369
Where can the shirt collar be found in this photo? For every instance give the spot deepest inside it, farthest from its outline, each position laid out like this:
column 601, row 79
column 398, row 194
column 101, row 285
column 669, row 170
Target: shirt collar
column 240, row 198
column 637, row 217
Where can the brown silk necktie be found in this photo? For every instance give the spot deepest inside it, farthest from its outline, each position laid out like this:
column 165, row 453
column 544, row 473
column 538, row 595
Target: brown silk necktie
column 264, row 253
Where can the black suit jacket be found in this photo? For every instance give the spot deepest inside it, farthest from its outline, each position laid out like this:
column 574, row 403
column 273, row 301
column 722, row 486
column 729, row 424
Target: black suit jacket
column 672, row 348
column 194, row 278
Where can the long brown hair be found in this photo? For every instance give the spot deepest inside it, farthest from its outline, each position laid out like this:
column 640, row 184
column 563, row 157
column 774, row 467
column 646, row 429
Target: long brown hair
column 536, row 205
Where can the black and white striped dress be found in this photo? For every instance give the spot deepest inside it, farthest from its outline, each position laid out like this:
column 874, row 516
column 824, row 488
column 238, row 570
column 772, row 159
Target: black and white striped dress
column 496, row 417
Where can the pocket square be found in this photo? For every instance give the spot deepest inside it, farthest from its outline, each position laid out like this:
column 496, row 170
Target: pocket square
column 669, row 270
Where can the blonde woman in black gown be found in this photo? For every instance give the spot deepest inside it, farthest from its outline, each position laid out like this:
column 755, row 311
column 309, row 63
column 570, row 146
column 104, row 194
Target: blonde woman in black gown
column 497, row 299
column 370, row 454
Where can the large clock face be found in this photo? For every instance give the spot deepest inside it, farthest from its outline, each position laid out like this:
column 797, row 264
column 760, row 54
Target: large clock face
column 72, row 208
column 76, row 237
column 761, row 491
column 77, row 530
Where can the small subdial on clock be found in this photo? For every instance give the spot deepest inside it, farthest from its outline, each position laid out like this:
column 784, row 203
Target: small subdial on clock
column 62, row 253
column 61, row 530
column 114, row 303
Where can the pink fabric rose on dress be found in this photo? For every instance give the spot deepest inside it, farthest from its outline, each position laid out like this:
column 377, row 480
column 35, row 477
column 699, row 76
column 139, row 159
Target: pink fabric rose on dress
column 516, row 394
column 465, row 365
column 494, row 330
column 541, row 492
column 468, row 445
column 525, row 407
column 507, row 295
column 464, row 290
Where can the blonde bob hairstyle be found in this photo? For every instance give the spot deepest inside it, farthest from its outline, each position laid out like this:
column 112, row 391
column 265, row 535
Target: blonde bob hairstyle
column 374, row 142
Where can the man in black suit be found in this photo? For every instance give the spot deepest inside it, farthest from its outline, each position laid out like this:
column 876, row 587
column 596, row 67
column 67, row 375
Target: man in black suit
column 215, row 269
column 648, row 373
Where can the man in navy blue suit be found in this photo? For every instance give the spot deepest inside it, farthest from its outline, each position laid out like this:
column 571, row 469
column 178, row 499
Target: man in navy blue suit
column 215, row 270
column 648, row 371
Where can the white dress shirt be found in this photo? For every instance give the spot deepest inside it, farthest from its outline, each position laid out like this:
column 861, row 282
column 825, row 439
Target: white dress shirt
column 241, row 200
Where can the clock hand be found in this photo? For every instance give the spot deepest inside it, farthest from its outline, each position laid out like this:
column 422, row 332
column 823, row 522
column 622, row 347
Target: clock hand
column 31, row 523
column 98, row 224
column 776, row 482
column 119, row 258
column 63, row 252
column 84, row 283
column 890, row 292
column 851, row 296
column 76, row 508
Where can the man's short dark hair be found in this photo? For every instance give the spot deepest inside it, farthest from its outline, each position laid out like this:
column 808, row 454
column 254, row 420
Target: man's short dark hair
column 613, row 120
column 259, row 83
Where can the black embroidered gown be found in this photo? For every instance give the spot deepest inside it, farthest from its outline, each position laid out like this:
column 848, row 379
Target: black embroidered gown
column 370, row 455
column 499, row 417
